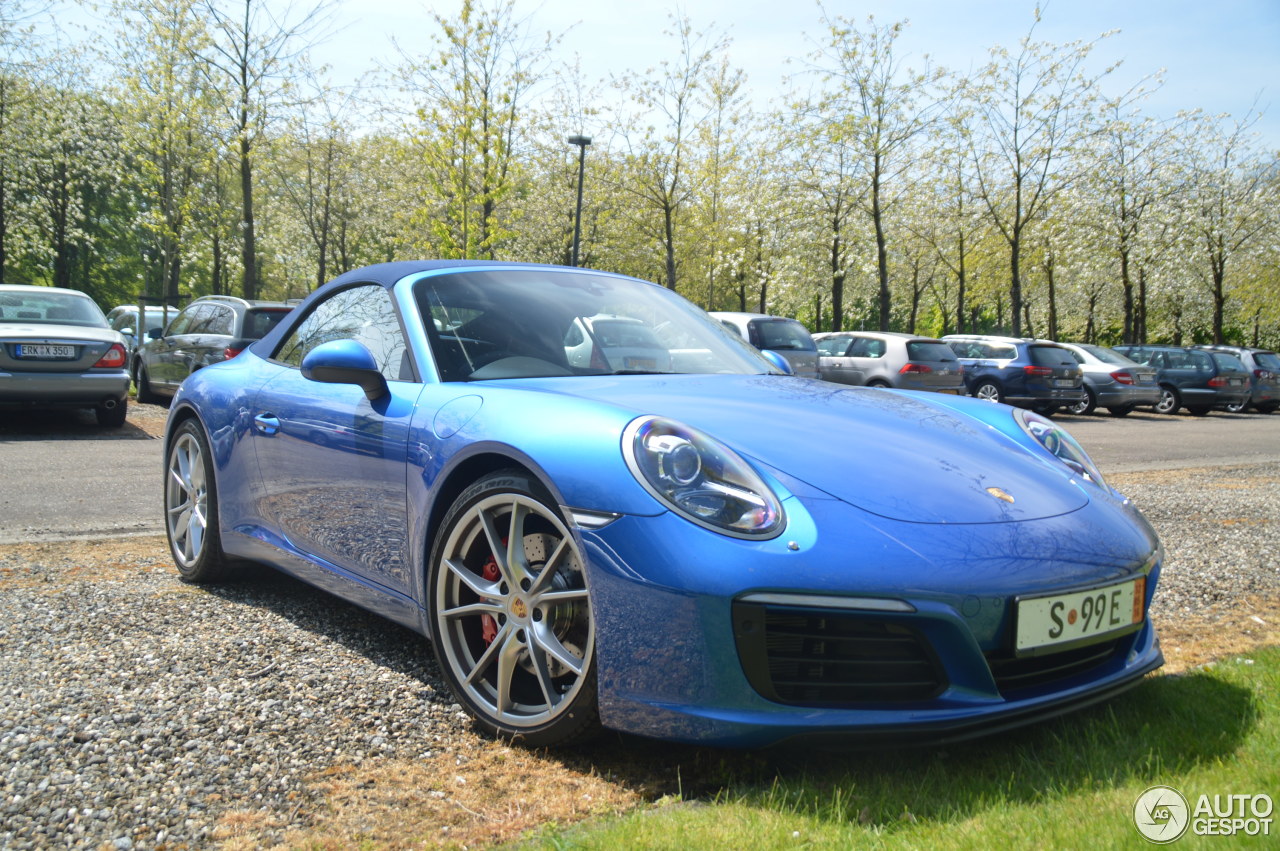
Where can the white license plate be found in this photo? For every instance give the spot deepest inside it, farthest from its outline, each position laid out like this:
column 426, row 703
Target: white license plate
column 39, row 351
column 1063, row 382
column 1079, row 617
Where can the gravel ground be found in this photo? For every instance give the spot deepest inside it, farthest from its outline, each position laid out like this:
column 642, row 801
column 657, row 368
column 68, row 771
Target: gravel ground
column 138, row 712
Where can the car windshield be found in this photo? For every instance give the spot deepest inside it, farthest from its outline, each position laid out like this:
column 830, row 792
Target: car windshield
column 1267, row 360
column 50, row 308
column 783, row 335
column 1109, row 356
column 924, row 350
column 489, row 324
column 1051, row 356
column 258, row 323
column 1229, row 363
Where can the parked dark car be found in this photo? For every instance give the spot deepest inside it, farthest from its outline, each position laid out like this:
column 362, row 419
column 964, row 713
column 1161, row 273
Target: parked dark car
column 888, row 359
column 56, row 351
column 1112, row 381
column 208, row 330
column 1193, row 378
column 788, row 338
column 1036, row 374
column 1263, row 366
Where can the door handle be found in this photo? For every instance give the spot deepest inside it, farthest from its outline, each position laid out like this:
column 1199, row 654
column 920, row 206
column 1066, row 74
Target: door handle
column 267, row 424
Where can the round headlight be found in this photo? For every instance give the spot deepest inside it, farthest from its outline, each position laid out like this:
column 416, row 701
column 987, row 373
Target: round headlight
column 701, row 479
column 1059, row 444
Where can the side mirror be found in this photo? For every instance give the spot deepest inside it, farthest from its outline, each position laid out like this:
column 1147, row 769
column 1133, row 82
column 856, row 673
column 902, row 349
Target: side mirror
column 778, row 360
column 345, row 362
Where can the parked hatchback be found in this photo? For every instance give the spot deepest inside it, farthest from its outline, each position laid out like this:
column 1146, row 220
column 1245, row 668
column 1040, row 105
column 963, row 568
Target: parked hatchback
column 1036, row 374
column 787, row 337
column 1112, row 381
column 1263, row 366
column 1196, row 379
column 56, row 351
column 888, row 359
column 206, row 331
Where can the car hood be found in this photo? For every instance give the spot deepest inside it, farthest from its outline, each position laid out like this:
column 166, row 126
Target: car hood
column 897, row 455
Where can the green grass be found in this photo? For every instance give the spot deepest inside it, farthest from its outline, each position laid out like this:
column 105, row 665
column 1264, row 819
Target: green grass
column 1068, row 783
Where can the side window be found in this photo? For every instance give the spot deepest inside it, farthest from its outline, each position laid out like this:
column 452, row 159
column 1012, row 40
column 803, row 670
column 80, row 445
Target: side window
column 833, row 347
column 183, row 321
column 364, row 314
column 875, row 348
column 860, row 348
column 222, row 320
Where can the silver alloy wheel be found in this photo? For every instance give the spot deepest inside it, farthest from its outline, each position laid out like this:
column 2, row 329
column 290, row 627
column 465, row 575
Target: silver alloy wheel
column 1169, row 402
column 987, row 392
column 1086, row 403
column 186, row 498
column 1238, row 407
column 513, row 618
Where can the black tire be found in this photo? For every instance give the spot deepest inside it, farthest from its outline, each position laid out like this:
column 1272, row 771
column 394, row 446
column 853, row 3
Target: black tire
column 191, row 508
column 988, row 391
column 1268, row 408
column 146, row 395
column 1199, row 410
column 527, row 604
column 114, row 416
column 878, row 384
column 1088, row 402
column 1121, row 410
column 1170, row 401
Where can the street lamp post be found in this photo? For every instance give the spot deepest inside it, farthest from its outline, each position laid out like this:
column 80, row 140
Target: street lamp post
column 581, row 142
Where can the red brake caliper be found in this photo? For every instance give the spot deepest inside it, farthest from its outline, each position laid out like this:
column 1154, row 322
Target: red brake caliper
column 488, row 625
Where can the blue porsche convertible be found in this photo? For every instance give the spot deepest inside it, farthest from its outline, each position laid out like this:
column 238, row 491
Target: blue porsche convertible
column 678, row 540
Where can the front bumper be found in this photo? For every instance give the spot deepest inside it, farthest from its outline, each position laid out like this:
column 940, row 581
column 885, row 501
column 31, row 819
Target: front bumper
column 674, row 618
column 51, row 389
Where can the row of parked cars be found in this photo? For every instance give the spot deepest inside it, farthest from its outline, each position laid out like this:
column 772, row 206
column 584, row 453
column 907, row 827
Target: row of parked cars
column 1043, row 375
column 60, row 350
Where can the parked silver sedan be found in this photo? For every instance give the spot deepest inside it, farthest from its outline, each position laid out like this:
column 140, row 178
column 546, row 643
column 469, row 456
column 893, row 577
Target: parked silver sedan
column 888, row 359
column 56, row 350
column 1111, row 381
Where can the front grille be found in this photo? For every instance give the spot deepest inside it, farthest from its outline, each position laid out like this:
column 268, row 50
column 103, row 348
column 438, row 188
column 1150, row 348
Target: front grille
column 819, row 657
column 1012, row 673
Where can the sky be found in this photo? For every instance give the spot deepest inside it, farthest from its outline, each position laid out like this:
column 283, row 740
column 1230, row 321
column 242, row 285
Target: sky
column 1219, row 56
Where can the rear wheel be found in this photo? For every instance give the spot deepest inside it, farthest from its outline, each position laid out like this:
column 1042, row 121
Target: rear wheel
column 1088, row 401
column 511, row 614
column 1170, row 401
column 146, row 395
column 988, row 391
column 878, row 383
column 1238, row 407
column 112, row 417
column 191, row 508
column 1269, row 407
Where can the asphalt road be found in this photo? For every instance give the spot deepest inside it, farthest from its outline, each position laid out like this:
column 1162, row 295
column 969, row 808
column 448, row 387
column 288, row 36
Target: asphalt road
column 61, row 477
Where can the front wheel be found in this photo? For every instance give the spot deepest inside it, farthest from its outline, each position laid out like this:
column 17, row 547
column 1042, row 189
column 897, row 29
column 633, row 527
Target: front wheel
column 511, row 614
column 1238, row 407
column 146, row 395
column 191, row 508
